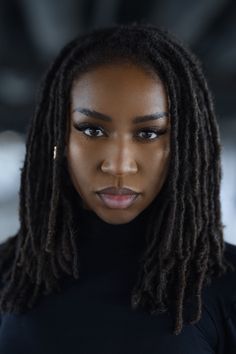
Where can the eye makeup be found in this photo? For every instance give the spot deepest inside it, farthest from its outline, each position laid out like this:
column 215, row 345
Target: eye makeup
column 82, row 127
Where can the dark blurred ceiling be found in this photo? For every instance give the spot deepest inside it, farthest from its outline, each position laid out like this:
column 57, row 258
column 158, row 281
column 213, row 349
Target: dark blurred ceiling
column 32, row 32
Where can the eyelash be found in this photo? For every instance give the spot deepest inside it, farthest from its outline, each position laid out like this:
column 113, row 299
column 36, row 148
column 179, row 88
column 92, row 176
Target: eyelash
column 82, row 127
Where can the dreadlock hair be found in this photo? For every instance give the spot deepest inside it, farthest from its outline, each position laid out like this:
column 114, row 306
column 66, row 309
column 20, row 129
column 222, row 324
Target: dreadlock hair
column 185, row 245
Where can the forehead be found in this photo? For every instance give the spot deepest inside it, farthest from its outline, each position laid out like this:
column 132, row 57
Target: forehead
column 118, row 70
column 119, row 84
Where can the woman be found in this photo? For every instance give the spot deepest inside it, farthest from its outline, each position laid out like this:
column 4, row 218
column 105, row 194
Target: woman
column 120, row 247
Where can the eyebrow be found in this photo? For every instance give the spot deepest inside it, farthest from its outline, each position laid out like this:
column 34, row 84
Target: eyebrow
column 104, row 117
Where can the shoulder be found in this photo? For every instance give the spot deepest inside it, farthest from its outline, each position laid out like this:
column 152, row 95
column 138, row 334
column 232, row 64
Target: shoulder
column 219, row 302
column 230, row 252
column 218, row 321
column 220, row 294
column 229, row 280
column 223, row 288
column 7, row 254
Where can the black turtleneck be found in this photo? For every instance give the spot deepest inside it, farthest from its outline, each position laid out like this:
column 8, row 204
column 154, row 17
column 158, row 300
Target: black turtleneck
column 110, row 252
column 93, row 314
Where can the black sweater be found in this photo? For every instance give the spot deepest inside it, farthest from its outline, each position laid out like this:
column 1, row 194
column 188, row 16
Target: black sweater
column 92, row 315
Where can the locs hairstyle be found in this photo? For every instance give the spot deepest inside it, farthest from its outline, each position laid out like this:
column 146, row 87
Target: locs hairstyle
column 184, row 239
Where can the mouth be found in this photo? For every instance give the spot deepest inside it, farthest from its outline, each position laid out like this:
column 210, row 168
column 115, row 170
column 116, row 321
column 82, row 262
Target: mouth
column 117, row 201
column 117, row 191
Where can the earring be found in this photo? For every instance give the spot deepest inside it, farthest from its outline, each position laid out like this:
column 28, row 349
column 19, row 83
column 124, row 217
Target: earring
column 54, row 152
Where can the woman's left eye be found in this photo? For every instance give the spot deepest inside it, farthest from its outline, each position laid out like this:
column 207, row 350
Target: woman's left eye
column 151, row 134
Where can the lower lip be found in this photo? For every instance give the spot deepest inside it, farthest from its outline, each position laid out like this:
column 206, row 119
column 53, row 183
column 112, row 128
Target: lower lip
column 118, row 201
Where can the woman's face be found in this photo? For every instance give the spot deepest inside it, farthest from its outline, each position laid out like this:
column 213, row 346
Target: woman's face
column 119, row 136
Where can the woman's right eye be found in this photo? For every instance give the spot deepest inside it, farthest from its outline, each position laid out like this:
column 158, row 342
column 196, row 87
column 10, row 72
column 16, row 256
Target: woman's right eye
column 91, row 128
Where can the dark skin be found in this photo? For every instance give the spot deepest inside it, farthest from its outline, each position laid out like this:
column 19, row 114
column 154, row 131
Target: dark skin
column 118, row 153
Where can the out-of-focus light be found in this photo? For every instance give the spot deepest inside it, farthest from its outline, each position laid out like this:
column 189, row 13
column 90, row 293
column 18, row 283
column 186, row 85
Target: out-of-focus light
column 12, row 152
column 228, row 192
column 15, row 88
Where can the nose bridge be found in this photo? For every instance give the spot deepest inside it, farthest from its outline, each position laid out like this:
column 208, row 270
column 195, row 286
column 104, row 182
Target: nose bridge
column 120, row 158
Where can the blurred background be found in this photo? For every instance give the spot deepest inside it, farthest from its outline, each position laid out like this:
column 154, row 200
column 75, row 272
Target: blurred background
column 31, row 34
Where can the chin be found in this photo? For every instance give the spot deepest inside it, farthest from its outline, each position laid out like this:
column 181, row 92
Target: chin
column 117, row 216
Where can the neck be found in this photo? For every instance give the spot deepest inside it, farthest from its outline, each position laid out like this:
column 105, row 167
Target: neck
column 96, row 231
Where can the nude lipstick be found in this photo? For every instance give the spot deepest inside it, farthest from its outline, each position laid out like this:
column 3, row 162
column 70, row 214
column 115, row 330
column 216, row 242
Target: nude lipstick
column 117, row 198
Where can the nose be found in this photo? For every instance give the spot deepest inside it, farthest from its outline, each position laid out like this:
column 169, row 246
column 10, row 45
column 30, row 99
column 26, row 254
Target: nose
column 120, row 160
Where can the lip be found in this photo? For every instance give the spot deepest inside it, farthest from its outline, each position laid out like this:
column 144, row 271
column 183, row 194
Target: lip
column 118, row 201
column 117, row 191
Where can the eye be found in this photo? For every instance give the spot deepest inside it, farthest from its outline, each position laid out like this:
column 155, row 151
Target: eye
column 91, row 131
column 151, row 134
column 148, row 133
column 83, row 127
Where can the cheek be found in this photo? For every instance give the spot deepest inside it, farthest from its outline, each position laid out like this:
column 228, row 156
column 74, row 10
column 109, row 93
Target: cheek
column 157, row 167
column 79, row 153
column 79, row 157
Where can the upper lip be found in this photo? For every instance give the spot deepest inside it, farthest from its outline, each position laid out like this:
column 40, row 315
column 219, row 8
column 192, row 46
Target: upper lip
column 120, row 191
